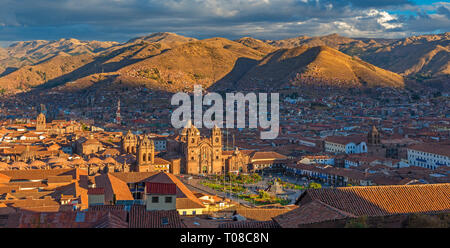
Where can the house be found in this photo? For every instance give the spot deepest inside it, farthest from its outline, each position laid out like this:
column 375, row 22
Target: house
column 345, row 144
column 430, row 156
column 331, row 204
column 160, row 196
column 129, row 188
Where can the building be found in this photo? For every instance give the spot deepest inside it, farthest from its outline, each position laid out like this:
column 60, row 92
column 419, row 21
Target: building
column 333, row 204
column 96, row 196
column 202, row 155
column 132, row 188
column 87, row 146
column 145, row 150
column 40, row 123
column 129, row 143
column 160, row 196
column 345, row 145
column 430, row 156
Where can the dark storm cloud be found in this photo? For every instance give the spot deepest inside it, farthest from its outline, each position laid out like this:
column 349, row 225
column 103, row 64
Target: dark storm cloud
column 123, row 19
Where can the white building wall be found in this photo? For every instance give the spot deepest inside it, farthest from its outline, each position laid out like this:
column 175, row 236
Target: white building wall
column 426, row 159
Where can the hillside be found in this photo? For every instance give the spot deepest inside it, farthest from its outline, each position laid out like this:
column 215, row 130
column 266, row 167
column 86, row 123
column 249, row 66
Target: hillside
column 165, row 38
column 319, row 65
column 58, row 62
column 426, row 55
column 172, row 62
column 257, row 45
column 200, row 62
column 41, row 49
column 333, row 40
column 29, row 76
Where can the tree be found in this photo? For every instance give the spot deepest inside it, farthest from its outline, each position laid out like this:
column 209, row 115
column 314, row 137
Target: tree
column 428, row 221
column 256, row 177
column 264, row 195
column 314, row 185
column 360, row 222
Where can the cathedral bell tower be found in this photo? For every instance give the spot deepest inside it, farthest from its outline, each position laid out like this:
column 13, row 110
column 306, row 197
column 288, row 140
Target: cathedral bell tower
column 129, row 143
column 373, row 137
column 146, row 151
column 216, row 142
column 40, row 122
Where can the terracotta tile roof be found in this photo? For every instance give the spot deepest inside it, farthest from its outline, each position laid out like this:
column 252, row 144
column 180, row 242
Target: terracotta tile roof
column 260, row 214
column 84, row 219
column 383, row 200
column 4, row 178
column 267, row 156
column 311, row 212
column 96, row 191
column 107, row 208
column 38, row 174
column 343, row 140
column 185, row 198
column 34, row 205
column 435, row 148
column 59, row 179
column 134, row 177
column 161, row 188
column 140, row 218
column 250, row 224
column 113, row 186
column 111, row 220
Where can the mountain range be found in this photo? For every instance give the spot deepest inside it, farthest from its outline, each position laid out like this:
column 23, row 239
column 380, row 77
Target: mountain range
column 171, row 62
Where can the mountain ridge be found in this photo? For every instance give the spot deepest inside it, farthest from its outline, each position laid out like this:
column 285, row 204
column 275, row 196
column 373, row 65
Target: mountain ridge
column 172, row 62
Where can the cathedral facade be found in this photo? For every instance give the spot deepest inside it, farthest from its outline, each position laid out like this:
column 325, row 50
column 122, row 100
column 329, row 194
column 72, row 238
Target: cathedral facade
column 144, row 149
column 201, row 155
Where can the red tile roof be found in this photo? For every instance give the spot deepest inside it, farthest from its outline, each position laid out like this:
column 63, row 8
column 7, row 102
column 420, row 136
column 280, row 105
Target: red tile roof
column 140, row 218
column 312, row 212
column 383, row 200
column 161, row 188
column 250, row 224
column 96, row 191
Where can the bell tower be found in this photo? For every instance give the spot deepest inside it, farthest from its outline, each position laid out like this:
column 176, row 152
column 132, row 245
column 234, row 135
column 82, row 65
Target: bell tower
column 192, row 151
column 40, row 122
column 216, row 142
column 216, row 137
column 129, row 143
column 373, row 137
column 146, row 151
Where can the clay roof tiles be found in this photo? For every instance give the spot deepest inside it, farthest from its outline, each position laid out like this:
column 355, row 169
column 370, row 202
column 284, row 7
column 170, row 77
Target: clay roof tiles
column 385, row 200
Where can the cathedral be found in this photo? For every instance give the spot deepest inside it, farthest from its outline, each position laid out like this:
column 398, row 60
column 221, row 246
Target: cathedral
column 201, row 155
column 194, row 154
column 144, row 149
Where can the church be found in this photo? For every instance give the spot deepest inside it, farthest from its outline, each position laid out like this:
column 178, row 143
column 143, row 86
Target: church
column 144, row 150
column 205, row 155
column 201, row 155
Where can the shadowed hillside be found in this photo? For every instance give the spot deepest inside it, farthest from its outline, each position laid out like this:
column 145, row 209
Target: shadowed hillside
column 317, row 65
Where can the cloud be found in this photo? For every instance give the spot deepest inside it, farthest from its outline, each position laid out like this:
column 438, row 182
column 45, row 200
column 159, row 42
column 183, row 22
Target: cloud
column 270, row 19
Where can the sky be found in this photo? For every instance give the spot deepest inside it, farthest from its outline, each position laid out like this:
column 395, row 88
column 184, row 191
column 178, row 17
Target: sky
column 121, row 20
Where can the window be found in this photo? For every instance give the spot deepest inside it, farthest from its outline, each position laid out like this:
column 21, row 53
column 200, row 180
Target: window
column 168, row 199
column 155, row 199
column 164, row 220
